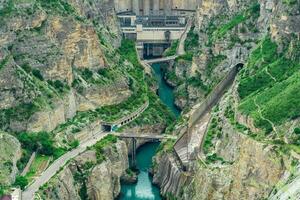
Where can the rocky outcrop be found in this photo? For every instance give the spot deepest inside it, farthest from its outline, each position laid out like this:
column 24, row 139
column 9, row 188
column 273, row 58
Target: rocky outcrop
column 50, row 58
column 169, row 175
column 10, row 149
column 236, row 161
column 86, row 177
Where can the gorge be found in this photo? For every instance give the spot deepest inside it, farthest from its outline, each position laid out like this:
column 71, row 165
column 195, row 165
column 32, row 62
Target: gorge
column 215, row 81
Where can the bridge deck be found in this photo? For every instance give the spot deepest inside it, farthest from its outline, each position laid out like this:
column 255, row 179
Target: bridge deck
column 157, row 60
column 144, row 136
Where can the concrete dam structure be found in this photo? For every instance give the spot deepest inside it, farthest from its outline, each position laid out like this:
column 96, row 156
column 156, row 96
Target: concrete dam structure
column 154, row 24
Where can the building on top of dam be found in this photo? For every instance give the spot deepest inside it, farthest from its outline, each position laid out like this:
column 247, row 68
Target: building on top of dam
column 154, row 24
column 155, row 7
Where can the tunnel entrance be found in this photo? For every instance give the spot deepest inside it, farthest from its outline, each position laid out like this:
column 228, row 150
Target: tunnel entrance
column 106, row 128
column 239, row 67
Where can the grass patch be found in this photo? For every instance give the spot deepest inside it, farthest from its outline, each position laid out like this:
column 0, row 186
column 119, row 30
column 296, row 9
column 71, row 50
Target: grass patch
column 36, row 167
column 102, row 144
column 172, row 50
column 220, row 32
column 4, row 62
column 272, row 81
column 192, row 40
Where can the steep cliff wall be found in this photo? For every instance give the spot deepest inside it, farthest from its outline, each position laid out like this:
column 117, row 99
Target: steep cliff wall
column 88, row 177
column 51, row 52
column 250, row 146
column 10, row 153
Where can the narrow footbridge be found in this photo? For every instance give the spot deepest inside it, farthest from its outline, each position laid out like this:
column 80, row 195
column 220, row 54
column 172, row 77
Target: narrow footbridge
column 158, row 60
column 146, row 136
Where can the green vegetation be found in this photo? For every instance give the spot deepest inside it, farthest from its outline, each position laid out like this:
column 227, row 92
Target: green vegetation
column 21, row 181
column 213, row 131
column 269, row 87
column 58, row 6
column 192, row 40
column 166, row 146
column 37, row 167
column 41, row 142
column 188, row 57
column 4, row 62
column 172, row 50
column 196, row 81
column 1, row 190
column 297, row 131
column 7, row 9
column 213, row 62
column 220, row 32
column 156, row 113
column 37, row 74
column 289, row 2
column 102, row 144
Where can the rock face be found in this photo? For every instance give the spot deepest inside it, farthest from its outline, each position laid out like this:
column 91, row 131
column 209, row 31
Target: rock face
column 10, row 149
column 236, row 160
column 50, row 58
column 86, row 178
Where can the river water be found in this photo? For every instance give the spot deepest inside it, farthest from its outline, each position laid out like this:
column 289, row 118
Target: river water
column 143, row 189
column 165, row 92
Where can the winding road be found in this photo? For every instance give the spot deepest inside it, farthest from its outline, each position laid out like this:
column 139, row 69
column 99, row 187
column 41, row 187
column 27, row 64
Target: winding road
column 28, row 193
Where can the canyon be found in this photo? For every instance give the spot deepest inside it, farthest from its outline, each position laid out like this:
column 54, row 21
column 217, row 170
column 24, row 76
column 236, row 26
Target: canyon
column 219, row 79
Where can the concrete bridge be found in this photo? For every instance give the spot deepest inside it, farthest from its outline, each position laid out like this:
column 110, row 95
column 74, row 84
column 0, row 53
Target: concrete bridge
column 145, row 136
column 158, row 60
column 182, row 147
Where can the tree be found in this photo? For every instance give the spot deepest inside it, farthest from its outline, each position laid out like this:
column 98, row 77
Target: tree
column 297, row 131
column 21, row 181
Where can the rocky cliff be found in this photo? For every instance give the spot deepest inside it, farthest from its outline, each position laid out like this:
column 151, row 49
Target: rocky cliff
column 90, row 177
column 250, row 144
column 51, row 54
column 10, row 153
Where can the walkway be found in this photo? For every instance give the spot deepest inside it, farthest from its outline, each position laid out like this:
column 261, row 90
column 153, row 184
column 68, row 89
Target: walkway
column 180, row 49
column 144, row 136
column 28, row 193
column 158, row 60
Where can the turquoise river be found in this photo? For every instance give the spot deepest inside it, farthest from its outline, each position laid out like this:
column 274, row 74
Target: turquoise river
column 144, row 189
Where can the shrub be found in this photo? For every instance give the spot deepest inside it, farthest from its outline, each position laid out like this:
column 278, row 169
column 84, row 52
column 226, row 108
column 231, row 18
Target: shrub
column 297, row 131
column 99, row 146
column 87, row 74
column 188, row 56
column 41, row 142
column 37, row 74
column 192, row 40
column 21, row 181
column 74, row 144
column 172, row 50
column 4, row 62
